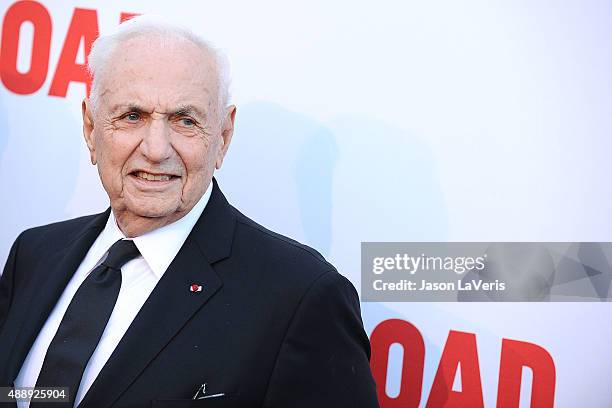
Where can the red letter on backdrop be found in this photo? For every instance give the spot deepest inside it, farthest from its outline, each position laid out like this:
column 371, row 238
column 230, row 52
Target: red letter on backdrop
column 384, row 335
column 460, row 348
column 16, row 15
column 84, row 25
column 514, row 356
column 126, row 16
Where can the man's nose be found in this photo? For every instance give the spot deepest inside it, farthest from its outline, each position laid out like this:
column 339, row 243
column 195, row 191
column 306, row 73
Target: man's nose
column 155, row 145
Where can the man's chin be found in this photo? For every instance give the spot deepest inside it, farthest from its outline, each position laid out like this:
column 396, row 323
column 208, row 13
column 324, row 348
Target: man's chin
column 150, row 208
column 154, row 213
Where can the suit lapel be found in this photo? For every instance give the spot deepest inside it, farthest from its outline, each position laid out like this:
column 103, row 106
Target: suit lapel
column 58, row 269
column 171, row 304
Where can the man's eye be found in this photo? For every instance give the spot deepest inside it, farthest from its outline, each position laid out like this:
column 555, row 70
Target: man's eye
column 132, row 117
column 187, row 122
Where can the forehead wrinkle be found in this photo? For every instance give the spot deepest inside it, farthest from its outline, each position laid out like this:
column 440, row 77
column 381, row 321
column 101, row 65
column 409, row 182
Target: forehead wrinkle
column 201, row 87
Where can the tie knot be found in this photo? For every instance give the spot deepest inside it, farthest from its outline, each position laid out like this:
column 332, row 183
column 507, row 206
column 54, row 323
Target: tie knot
column 120, row 253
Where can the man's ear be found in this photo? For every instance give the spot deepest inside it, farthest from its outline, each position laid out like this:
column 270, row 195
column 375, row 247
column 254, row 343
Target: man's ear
column 226, row 135
column 88, row 126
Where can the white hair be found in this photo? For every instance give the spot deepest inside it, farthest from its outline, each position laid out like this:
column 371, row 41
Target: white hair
column 154, row 27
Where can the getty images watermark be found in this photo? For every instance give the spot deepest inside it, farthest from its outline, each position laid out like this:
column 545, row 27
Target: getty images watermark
column 480, row 272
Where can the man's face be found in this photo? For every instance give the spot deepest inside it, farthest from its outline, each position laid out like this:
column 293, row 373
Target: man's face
column 156, row 134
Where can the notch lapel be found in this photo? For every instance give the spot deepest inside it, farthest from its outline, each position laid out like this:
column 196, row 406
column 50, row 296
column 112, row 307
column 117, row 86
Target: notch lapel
column 59, row 267
column 171, row 304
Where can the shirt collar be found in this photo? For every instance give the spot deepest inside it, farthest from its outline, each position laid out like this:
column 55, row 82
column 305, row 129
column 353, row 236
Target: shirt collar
column 160, row 246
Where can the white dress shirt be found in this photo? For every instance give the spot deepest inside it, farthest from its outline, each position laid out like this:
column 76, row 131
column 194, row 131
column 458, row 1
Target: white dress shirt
column 138, row 278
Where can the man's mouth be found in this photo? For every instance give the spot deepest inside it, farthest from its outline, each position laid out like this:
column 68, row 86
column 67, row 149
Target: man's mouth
column 153, row 177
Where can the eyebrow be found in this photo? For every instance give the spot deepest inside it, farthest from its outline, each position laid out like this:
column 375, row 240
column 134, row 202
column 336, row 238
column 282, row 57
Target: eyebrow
column 181, row 110
column 187, row 110
column 122, row 107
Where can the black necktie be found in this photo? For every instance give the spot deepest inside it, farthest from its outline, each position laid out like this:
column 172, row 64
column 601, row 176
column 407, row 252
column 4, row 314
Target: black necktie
column 84, row 322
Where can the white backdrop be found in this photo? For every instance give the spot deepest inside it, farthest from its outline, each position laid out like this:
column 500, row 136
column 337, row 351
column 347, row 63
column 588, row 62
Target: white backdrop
column 379, row 121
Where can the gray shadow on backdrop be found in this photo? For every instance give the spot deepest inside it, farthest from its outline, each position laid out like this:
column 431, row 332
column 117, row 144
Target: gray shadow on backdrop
column 288, row 164
column 384, row 179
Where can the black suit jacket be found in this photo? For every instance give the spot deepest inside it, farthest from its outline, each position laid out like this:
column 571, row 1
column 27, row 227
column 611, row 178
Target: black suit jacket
column 274, row 326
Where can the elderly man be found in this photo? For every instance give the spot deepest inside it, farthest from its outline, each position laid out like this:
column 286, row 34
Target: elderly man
column 171, row 297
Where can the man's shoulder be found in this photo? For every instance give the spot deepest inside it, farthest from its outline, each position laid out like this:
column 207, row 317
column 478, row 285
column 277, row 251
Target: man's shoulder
column 276, row 250
column 59, row 232
column 284, row 266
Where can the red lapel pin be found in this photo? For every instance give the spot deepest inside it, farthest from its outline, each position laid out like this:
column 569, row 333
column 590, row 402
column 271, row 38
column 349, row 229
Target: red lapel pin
column 195, row 287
